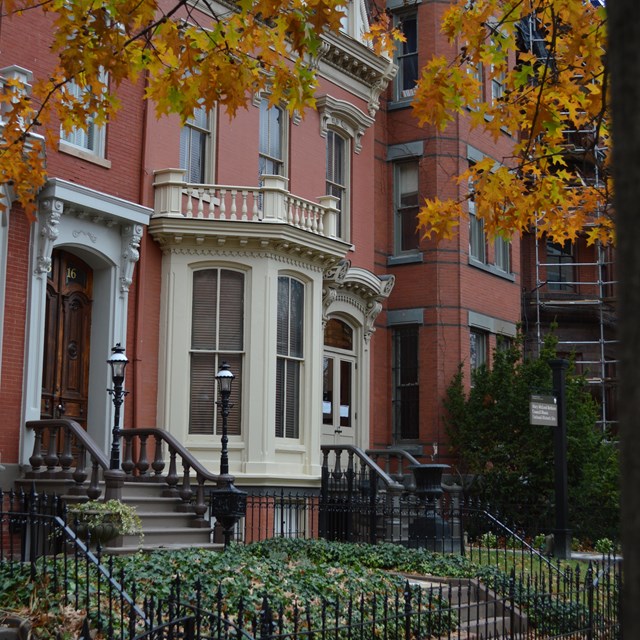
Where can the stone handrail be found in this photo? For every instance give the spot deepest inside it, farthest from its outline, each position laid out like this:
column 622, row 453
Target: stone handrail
column 63, row 435
column 62, row 442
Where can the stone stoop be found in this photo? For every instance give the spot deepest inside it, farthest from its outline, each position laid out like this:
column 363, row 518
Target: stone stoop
column 481, row 613
column 166, row 524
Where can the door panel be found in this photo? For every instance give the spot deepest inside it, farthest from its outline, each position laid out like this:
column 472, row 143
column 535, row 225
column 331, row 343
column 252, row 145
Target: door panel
column 338, row 402
column 65, row 379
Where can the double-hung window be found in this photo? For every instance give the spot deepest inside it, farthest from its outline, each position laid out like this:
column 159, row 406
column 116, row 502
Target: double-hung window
column 290, row 353
column 217, row 336
column 195, row 141
column 271, row 147
column 478, row 350
column 92, row 138
column 406, row 389
column 337, row 176
column 477, row 236
column 502, row 258
column 407, row 57
column 406, row 194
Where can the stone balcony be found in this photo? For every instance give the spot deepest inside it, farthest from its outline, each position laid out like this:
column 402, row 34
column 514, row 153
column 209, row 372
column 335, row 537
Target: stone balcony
column 266, row 217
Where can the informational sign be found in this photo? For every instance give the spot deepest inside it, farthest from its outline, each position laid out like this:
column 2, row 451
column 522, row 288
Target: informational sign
column 543, row 410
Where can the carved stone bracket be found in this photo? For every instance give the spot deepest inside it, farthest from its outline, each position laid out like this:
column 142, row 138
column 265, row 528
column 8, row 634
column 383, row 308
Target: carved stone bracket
column 131, row 235
column 379, row 87
column 51, row 210
column 333, row 279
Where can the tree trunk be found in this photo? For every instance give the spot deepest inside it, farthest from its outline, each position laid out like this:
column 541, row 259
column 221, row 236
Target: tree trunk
column 624, row 64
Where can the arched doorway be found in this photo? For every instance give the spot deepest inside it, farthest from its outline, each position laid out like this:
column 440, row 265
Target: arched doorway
column 339, row 415
column 65, row 371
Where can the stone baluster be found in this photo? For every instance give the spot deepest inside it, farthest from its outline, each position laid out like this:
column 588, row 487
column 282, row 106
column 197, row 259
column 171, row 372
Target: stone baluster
column 36, row 457
column 158, row 462
column 244, row 209
column 189, row 212
column 66, row 457
column 256, row 214
column 200, row 507
column 211, row 211
column 172, row 475
column 80, row 474
column 185, row 492
column 223, row 204
column 94, row 491
column 234, row 208
column 51, row 459
column 200, row 213
column 143, row 462
column 127, row 464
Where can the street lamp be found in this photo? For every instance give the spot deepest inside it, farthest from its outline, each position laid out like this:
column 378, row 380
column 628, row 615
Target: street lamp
column 225, row 379
column 228, row 504
column 118, row 363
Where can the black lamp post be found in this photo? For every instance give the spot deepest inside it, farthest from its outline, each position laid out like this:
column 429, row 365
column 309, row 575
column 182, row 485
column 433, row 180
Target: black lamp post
column 118, row 362
column 225, row 379
column 228, row 503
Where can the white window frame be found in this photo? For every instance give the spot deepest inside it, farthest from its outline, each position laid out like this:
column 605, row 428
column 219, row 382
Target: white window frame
column 191, row 126
column 284, row 430
column 79, row 138
column 220, row 354
column 282, row 134
column 340, row 189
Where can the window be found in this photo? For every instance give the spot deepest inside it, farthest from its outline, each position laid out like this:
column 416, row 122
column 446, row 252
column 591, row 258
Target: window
column 560, row 266
column 497, row 79
column 337, row 147
column 407, row 58
column 406, row 191
column 92, row 138
column 217, row 336
column 478, row 350
column 195, row 139
column 477, row 236
column 289, row 356
column 502, row 259
column 476, row 71
column 406, row 389
column 271, row 161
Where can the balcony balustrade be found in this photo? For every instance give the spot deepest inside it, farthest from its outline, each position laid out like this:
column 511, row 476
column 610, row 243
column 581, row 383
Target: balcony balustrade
column 270, row 203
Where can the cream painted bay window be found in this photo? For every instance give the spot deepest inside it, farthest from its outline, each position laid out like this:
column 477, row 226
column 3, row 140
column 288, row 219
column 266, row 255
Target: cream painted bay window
column 217, row 336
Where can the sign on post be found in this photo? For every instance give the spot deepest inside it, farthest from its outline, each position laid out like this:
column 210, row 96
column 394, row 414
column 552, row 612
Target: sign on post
column 543, row 410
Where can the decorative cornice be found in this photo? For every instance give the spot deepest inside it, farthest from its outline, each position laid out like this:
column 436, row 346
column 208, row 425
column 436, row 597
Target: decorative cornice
column 345, row 116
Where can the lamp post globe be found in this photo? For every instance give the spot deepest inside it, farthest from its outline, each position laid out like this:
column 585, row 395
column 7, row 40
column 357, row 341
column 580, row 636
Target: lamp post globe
column 225, row 379
column 118, row 363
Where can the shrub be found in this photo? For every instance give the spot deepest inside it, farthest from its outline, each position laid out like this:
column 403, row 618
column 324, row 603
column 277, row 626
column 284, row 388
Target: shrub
column 509, row 463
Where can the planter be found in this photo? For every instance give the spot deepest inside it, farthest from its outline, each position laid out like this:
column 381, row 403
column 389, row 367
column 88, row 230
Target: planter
column 101, row 532
column 428, row 479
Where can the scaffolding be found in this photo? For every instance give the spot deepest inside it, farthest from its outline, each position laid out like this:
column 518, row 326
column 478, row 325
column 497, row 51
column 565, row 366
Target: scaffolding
column 584, row 311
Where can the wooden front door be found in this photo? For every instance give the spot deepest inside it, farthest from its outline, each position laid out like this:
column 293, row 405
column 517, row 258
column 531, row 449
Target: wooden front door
column 65, row 376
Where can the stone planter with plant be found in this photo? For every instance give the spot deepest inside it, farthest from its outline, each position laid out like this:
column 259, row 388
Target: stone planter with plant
column 100, row 521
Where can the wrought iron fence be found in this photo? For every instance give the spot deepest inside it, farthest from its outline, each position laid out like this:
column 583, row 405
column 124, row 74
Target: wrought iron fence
column 545, row 603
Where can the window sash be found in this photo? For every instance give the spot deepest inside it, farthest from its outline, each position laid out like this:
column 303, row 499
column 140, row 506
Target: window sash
column 406, row 178
column 271, row 139
column 336, row 174
column 217, row 336
column 290, row 346
column 406, row 388
column 93, row 137
column 503, row 254
column 477, row 237
column 407, row 58
column 195, row 137
column 477, row 349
